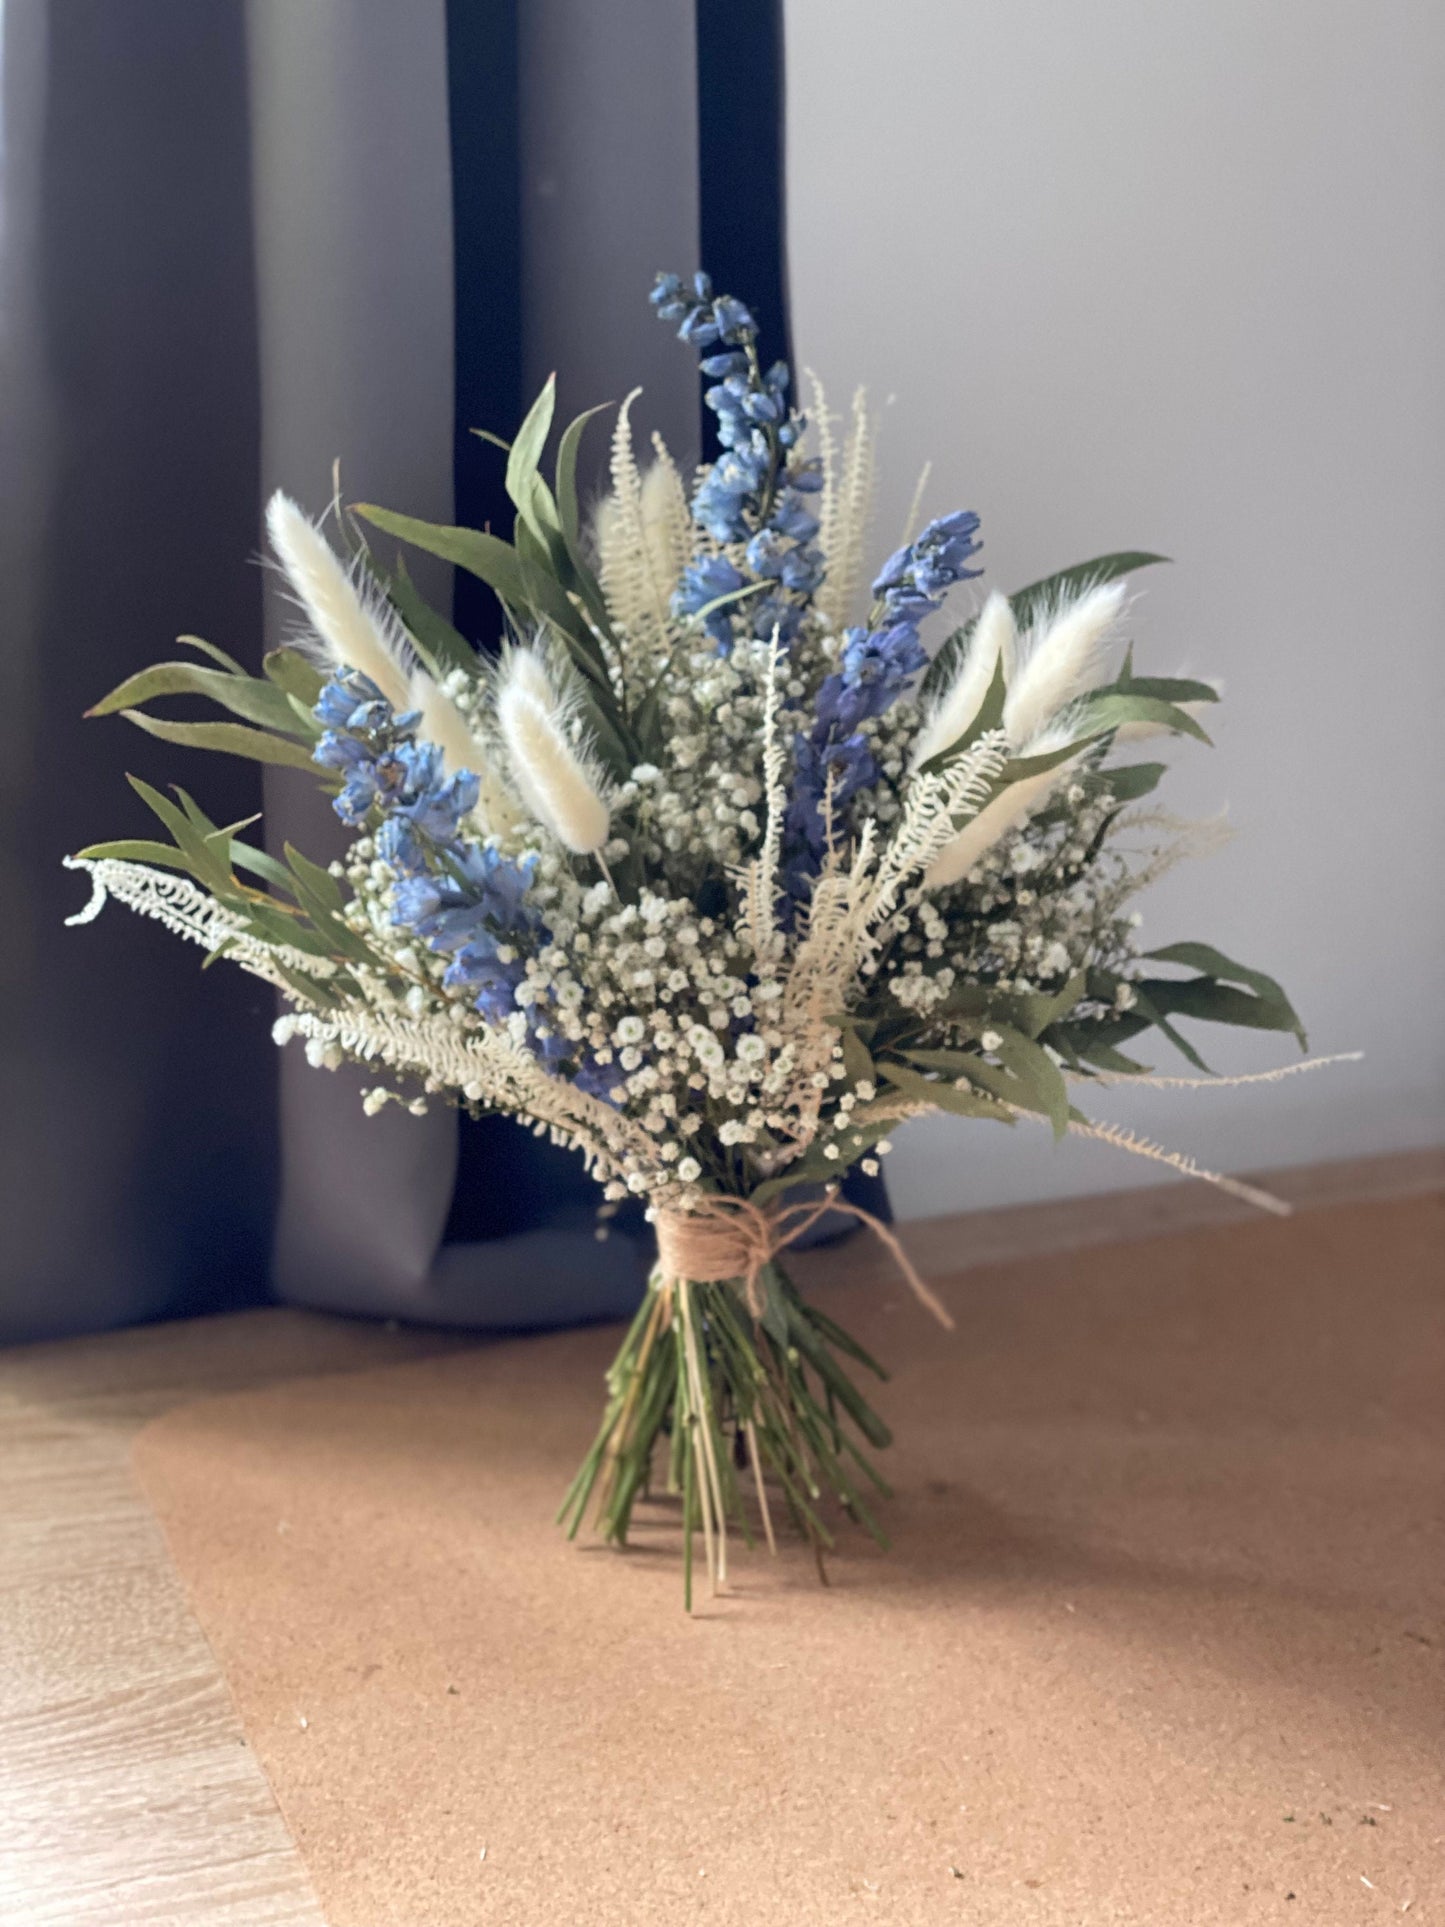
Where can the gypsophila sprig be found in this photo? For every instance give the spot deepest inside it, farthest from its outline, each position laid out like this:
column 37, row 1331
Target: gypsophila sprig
column 709, row 874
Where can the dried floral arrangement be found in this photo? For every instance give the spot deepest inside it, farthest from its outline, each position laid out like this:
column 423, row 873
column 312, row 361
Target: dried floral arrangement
column 709, row 870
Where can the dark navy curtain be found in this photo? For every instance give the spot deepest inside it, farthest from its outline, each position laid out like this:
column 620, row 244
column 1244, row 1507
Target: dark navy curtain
column 226, row 237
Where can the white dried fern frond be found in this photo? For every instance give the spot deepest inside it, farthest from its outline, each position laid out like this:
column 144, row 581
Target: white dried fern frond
column 354, row 628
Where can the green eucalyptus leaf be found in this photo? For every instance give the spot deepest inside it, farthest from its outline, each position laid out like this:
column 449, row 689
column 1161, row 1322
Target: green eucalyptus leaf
column 945, row 1097
column 214, row 652
column 567, row 454
column 441, row 647
column 1132, row 780
column 135, row 849
column 1268, row 1008
column 1034, row 1011
column 261, row 863
column 231, row 739
column 857, row 1058
column 1107, row 710
column 1167, row 689
column 294, row 673
column 525, row 455
column 190, row 836
column 474, row 550
column 259, row 702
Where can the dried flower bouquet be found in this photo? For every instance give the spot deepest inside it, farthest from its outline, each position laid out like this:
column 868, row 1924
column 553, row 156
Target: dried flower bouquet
column 711, row 871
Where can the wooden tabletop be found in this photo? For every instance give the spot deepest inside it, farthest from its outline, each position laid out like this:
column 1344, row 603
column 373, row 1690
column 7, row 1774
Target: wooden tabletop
column 128, row 1793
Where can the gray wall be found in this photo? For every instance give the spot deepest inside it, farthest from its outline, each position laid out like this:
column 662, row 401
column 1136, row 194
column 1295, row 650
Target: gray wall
column 1137, row 273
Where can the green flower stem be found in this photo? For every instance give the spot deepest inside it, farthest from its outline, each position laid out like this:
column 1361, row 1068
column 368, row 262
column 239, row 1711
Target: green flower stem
column 723, row 1390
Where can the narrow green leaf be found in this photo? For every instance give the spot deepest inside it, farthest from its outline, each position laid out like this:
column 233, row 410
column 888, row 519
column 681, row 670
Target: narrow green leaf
column 232, row 739
column 947, row 1097
column 441, row 647
column 525, row 455
column 1275, row 1013
column 479, row 553
column 318, row 881
column 216, row 653
column 1107, row 710
column 1158, row 1014
column 857, row 1058
column 1133, row 780
column 567, row 454
column 260, row 863
column 190, row 837
column 1034, row 1011
column 136, row 849
column 1028, row 603
column 1037, row 1074
column 294, row 673
column 1168, row 689
column 259, row 702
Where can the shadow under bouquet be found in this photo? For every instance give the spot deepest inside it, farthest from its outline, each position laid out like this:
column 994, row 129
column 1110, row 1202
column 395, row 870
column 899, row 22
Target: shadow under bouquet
column 710, row 871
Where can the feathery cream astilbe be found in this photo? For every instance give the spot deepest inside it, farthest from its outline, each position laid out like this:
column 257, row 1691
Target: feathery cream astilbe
column 635, row 530
column 558, row 783
column 354, row 629
column 667, row 523
column 844, row 507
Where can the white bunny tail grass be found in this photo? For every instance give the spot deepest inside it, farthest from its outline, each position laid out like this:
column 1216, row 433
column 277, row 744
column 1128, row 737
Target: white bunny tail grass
column 355, row 631
column 444, row 724
column 555, row 782
column 1062, row 661
column 1005, row 812
column 957, row 709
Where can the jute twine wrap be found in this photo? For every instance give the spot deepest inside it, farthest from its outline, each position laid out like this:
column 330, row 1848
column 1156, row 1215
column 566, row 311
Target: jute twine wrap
column 725, row 1238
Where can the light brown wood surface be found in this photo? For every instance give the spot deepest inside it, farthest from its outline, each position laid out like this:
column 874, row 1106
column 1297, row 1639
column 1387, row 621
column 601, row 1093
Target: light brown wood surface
column 128, row 1793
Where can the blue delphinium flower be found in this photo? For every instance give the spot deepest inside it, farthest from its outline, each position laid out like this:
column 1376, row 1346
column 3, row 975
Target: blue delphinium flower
column 464, row 902
column 752, row 494
column 876, row 666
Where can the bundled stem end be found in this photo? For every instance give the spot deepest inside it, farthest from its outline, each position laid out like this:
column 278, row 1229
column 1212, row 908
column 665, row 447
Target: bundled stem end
column 740, row 1401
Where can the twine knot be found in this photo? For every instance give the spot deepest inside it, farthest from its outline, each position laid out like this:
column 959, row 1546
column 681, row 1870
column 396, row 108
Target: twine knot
column 723, row 1238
